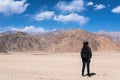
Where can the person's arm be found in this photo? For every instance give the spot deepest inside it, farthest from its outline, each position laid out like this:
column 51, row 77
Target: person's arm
column 90, row 52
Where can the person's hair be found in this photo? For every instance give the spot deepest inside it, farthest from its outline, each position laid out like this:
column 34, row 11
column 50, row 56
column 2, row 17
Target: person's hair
column 85, row 44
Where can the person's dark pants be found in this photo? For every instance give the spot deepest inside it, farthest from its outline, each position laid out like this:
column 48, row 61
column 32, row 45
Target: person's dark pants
column 88, row 67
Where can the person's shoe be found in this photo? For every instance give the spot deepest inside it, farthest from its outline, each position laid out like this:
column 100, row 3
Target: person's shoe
column 83, row 75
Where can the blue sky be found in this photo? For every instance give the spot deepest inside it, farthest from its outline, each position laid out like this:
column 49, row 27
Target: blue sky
column 45, row 15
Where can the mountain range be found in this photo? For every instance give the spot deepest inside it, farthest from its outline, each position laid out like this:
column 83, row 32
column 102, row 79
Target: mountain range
column 57, row 41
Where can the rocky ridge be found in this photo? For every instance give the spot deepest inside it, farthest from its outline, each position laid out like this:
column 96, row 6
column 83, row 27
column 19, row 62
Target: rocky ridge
column 65, row 41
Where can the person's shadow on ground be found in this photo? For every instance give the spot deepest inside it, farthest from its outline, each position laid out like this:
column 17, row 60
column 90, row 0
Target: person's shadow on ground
column 92, row 74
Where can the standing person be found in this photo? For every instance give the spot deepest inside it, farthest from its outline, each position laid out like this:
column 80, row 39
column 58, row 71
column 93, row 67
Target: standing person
column 86, row 55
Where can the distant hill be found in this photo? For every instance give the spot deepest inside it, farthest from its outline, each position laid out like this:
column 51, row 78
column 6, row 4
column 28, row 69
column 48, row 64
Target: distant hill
column 67, row 40
column 114, row 35
column 72, row 40
column 19, row 41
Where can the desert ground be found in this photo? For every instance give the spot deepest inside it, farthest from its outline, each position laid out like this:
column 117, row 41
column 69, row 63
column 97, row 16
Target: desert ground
column 57, row 66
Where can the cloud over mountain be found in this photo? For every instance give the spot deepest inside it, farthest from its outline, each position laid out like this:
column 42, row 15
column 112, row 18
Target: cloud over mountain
column 29, row 29
column 90, row 3
column 73, row 6
column 116, row 9
column 99, row 7
column 9, row 7
column 73, row 17
column 44, row 15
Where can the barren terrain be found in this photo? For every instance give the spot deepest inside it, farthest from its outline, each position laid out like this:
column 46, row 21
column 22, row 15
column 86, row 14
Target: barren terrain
column 57, row 66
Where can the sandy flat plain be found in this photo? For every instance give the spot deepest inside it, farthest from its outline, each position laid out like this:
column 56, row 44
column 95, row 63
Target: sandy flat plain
column 57, row 66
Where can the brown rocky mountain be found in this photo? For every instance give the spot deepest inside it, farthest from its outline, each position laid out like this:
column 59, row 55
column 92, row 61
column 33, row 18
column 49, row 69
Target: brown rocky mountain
column 68, row 40
column 19, row 41
column 72, row 41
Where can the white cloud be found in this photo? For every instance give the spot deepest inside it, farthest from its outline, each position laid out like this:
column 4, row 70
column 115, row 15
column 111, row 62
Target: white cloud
column 44, row 15
column 9, row 7
column 73, row 17
column 30, row 29
column 99, row 7
column 116, row 9
column 73, row 6
column 90, row 3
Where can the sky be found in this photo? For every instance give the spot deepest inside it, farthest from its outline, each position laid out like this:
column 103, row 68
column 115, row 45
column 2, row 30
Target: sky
column 49, row 15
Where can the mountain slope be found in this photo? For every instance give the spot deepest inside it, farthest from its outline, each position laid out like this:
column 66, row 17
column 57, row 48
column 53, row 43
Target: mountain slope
column 69, row 40
column 72, row 40
column 19, row 41
column 114, row 35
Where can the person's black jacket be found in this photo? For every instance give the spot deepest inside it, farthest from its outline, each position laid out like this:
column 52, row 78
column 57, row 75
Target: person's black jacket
column 87, row 48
